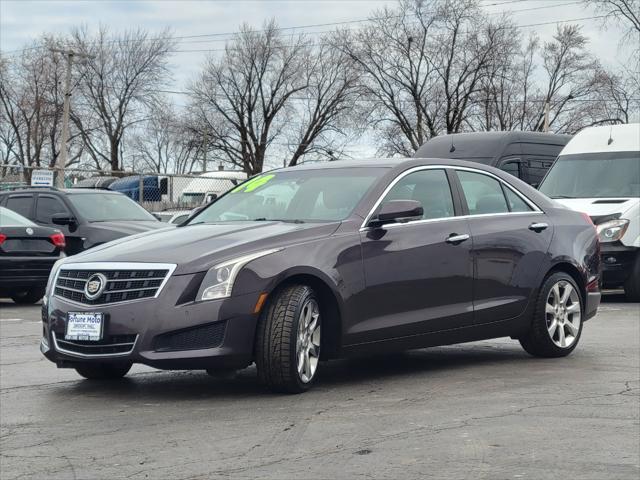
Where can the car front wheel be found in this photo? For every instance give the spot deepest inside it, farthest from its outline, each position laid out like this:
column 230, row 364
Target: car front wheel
column 557, row 323
column 288, row 340
column 103, row 371
column 632, row 285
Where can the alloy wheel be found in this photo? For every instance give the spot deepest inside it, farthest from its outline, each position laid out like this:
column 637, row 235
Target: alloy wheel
column 563, row 314
column 308, row 340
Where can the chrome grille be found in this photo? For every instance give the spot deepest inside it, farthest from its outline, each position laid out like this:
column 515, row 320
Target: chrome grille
column 122, row 285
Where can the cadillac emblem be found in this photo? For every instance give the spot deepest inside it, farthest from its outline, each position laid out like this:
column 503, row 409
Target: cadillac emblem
column 95, row 286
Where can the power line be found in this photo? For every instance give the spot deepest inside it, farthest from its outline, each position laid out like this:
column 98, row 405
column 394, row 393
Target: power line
column 555, row 22
column 180, row 38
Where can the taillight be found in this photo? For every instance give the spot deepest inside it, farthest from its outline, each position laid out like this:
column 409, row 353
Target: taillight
column 58, row 240
column 3, row 237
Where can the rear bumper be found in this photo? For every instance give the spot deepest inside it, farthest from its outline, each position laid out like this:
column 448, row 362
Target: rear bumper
column 24, row 272
column 618, row 262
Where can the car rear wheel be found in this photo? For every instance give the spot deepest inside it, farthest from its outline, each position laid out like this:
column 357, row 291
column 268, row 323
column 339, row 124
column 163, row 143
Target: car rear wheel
column 28, row 297
column 557, row 322
column 103, row 371
column 288, row 340
column 632, row 285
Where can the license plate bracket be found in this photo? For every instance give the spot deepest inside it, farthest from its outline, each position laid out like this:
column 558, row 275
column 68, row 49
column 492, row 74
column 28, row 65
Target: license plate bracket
column 84, row 326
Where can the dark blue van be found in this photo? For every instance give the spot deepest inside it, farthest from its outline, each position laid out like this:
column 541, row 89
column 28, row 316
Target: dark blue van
column 153, row 187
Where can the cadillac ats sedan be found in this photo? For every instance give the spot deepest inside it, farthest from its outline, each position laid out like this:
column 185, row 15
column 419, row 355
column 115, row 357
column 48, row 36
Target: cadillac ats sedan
column 303, row 264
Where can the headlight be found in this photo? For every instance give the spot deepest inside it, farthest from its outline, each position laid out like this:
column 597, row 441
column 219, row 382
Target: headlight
column 218, row 282
column 612, row 230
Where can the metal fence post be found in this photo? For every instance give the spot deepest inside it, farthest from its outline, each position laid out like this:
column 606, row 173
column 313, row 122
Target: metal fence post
column 141, row 189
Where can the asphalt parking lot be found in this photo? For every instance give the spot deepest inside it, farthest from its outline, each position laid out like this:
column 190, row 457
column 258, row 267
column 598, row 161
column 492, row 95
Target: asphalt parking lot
column 480, row 410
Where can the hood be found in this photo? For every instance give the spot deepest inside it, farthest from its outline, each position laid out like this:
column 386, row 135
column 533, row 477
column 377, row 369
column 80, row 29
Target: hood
column 127, row 227
column 196, row 248
column 599, row 207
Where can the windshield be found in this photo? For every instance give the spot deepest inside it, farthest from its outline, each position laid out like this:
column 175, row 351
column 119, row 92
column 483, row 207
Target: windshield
column 294, row 196
column 594, row 175
column 9, row 218
column 106, row 207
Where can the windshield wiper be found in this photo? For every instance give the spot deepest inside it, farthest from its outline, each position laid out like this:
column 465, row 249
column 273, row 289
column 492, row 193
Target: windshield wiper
column 263, row 219
column 562, row 196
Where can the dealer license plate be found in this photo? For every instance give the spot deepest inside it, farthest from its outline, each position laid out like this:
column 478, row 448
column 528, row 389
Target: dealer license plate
column 84, row 326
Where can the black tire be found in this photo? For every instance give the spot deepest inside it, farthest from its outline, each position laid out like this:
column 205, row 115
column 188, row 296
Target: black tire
column 103, row 371
column 28, row 297
column 538, row 341
column 276, row 339
column 632, row 285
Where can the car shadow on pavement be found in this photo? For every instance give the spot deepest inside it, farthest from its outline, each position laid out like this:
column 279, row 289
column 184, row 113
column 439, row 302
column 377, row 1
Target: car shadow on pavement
column 344, row 374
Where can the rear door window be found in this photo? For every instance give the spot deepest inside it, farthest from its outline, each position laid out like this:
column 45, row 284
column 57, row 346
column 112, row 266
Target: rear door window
column 483, row 194
column 47, row 206
column 22, row 204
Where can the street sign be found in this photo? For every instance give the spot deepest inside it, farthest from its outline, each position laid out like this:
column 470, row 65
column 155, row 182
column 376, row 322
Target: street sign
column 42, row 178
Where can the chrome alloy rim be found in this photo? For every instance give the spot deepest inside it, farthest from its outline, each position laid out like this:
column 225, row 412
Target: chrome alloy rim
column 308, row 340
column 563, row 314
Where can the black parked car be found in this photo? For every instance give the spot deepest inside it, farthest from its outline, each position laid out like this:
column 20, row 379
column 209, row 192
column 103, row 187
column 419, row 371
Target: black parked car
column 27, row 254
column 329, row 260
column 86, row 217
column 526, row 155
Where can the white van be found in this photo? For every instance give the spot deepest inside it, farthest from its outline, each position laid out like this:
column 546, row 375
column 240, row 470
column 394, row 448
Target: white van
column 598, row 173
column 209, row 186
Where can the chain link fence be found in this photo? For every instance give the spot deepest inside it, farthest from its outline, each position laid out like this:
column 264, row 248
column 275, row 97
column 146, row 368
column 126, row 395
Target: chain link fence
column 154, row 191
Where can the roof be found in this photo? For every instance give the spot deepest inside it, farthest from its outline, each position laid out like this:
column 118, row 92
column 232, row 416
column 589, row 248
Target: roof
column 484, row 144
column 625, row 138
column 69, row 191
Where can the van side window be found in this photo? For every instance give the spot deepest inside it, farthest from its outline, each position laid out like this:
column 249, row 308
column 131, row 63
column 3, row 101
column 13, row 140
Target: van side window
column 512, row 167
column 537, row 168
column 483, row 194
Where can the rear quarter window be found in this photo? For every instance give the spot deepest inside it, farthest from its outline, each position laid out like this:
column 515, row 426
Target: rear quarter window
column 22, row 204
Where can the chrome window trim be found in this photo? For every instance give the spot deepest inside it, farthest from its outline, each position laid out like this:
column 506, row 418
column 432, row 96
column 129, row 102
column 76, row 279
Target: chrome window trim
column 364, row 227
column 170, row 267
column 95, row 355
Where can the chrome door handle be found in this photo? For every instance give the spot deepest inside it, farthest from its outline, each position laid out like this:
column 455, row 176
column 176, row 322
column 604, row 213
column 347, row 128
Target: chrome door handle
column 455, row 239
column 538, row 227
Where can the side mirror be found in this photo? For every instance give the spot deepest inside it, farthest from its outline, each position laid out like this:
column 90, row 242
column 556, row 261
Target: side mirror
column 193, row 213
column 397, row 211
column 63, row 219
column 157, row 217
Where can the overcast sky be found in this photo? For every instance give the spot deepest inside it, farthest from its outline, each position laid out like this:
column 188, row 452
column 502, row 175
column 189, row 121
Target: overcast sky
column 22, row 21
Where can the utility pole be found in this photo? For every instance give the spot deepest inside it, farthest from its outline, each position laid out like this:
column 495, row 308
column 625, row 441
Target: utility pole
column 546, row 116
column 206, row 147
column 62, row 157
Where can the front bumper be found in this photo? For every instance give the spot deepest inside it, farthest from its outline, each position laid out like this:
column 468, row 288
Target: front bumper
column 157, row 332
column 618, row 262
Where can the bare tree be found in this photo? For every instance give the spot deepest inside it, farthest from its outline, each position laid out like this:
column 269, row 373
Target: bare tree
column 392, row 53
column 423, row 68
column 31, row 106
column 321, row 114
column 116, row 84
column 269, row 92
column 162, row 143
